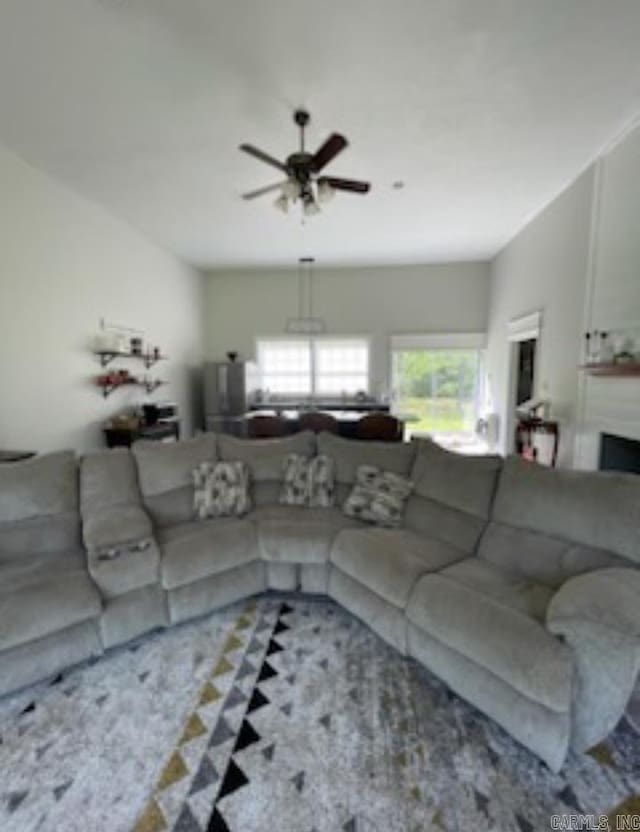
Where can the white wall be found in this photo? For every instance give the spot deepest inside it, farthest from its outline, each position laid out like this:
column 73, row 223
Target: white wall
column 613, row 405
column 544, row 268
column 64, row 264
column 378, row 302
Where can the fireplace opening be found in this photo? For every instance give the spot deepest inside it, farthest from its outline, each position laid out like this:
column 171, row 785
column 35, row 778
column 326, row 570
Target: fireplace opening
column 617, row 453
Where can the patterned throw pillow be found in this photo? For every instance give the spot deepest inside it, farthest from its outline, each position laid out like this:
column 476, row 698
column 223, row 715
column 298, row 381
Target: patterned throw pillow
column 308, row 482
column 221, row 489
column 378, row 496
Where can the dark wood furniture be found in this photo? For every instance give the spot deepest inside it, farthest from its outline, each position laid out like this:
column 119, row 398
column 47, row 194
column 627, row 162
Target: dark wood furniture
column 347, row 421
column 317, row 421
column 379, row 426
column 262, row 426
column 116, row 437
column 527, row 430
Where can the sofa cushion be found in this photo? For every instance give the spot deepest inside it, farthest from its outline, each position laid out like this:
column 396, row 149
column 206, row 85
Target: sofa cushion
column 41, row 594
column 389, row 561
column 547, row 560
column 594, row 508
column 508, row 643
column 435, row 520
column 349, row 454
column 165, row 475
column 108, row 478
column 378, row 496
column 462, row 482
column 452, row 494
column 39, row 505
column 509, row 588
column 265, row 457
column 298, row 534
column 195, row 550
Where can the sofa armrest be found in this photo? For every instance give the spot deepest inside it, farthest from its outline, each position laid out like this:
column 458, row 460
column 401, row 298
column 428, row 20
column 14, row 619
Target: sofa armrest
column 598, row 616
column 122, row 552
column 606, row 602
column 115, row 528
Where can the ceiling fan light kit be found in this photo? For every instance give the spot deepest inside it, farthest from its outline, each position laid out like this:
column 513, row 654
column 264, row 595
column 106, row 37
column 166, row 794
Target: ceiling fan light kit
column 302, row 171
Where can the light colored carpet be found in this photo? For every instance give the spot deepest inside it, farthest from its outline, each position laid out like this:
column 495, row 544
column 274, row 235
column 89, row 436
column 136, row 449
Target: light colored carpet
column 280, row 716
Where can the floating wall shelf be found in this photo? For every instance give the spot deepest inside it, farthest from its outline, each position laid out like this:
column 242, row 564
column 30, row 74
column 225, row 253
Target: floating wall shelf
column 107, row 356
column 149, row 386
column 621, row 369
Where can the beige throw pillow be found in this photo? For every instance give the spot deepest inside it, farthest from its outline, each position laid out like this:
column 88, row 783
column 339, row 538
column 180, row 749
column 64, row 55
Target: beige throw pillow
column 378, row 496
column 221, row 489
column 308, row 482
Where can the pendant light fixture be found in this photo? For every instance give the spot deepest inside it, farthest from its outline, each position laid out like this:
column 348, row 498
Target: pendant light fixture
column 306, row 323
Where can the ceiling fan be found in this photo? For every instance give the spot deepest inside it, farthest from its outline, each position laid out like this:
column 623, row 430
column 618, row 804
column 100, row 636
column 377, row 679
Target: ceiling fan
column 302, row 170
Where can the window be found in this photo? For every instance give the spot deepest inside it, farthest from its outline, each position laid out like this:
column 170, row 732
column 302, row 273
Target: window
column 437, row 382
column 285, row 366
column 340, row 366
column 318, row 366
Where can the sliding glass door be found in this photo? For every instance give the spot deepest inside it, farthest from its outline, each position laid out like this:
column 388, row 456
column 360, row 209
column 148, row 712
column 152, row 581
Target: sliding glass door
column 440, row 389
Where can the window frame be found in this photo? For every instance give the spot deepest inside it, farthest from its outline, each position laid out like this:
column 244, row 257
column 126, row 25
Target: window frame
column 312, row 341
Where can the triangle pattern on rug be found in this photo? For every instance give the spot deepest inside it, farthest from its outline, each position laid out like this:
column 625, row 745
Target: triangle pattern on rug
column 258, row 700
column 151, row 820
column 234, row 779
column 224, row 666
column 217, row 823
column 246, row 669
column 274, row 647
column 175, row 770
column 266, row 672
column 210, row 693
column 234, row 698
column 246, row 736
column 186, row 821
column 195, row 727
column 222, row 732
column 206, row 776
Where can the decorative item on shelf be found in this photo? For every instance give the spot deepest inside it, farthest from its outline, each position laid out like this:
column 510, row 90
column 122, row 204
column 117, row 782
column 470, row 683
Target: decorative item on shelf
column 611, row 354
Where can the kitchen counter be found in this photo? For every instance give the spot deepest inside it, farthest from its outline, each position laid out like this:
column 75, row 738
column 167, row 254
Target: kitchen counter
column 335, row 406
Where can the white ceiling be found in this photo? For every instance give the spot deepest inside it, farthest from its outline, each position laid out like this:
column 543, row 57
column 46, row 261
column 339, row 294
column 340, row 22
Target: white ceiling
column 485, row 108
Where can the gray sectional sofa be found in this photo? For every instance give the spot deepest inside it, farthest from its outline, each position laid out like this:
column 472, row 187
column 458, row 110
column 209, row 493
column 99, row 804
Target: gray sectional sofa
column 518, row 586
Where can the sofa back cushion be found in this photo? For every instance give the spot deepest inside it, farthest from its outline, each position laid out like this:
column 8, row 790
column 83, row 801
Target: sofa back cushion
column 598, row 510
column 349, row 454
column 453, row 494
column 108, row 479
column 39, row 510
column 266, row 460
column 165, row 475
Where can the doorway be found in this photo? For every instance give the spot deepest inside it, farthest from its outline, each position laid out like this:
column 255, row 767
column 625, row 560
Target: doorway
column 524, row 350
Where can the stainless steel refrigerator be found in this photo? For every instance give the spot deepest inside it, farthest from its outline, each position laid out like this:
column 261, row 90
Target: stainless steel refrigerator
column 228, row 388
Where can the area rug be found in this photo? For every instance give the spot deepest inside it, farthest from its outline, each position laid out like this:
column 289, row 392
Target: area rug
column 281, row 715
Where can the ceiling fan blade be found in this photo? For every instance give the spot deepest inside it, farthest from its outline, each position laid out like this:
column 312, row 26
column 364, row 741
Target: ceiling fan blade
column 265, row 190
column 355, row 186
column 264, row 157
column 328, row 151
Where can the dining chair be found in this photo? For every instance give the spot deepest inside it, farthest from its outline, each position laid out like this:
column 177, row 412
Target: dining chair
column 317, row 421
column 379, row 426
column 266, row 427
